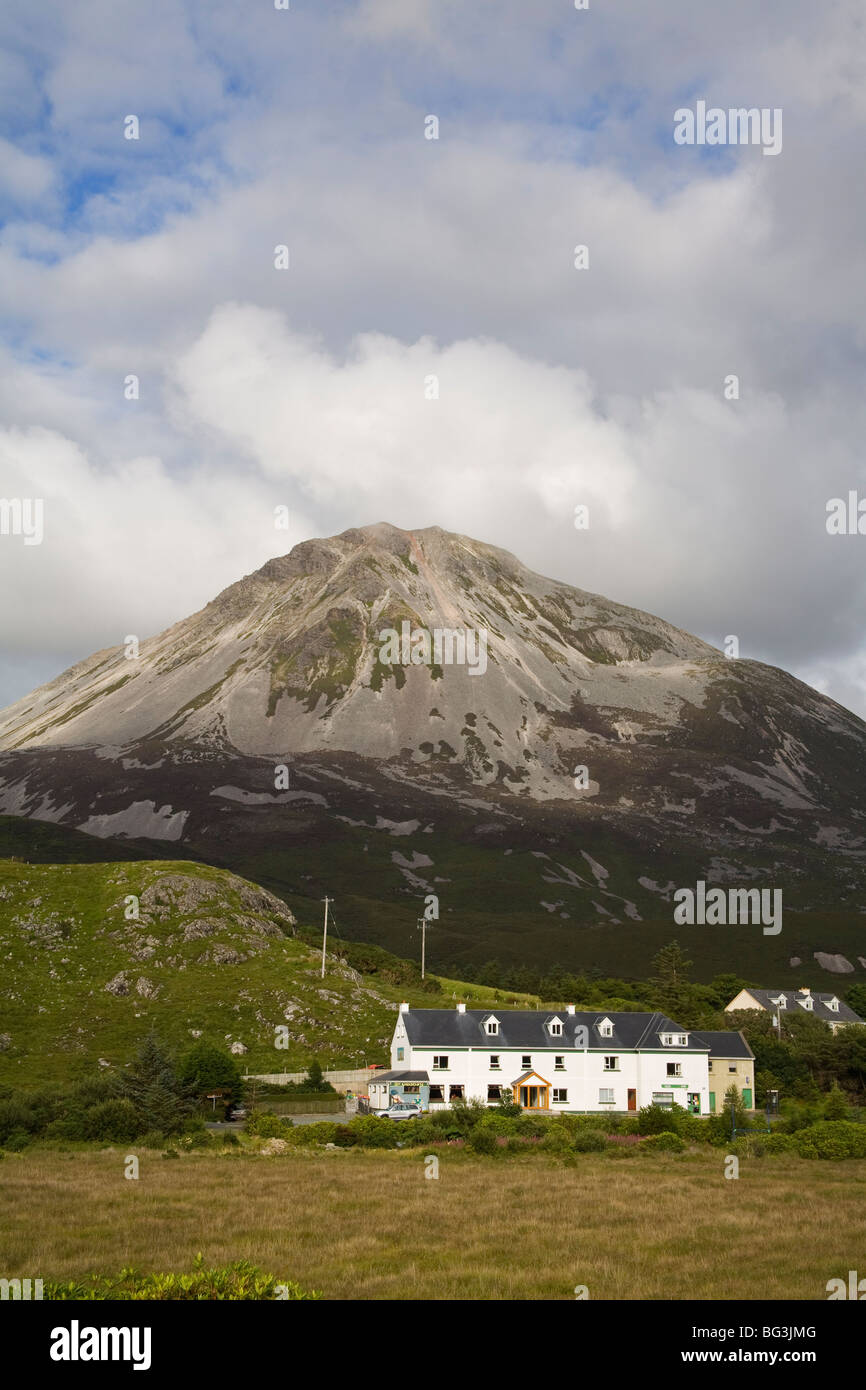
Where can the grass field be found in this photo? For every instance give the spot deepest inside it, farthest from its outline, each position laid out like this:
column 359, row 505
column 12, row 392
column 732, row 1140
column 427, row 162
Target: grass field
column 359, row 1225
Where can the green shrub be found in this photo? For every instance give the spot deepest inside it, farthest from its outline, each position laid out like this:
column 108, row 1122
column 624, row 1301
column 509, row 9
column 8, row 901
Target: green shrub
column 831, row 1139
column 653, row 1119
column 589, row 1141
column 666, row 1142
column 266, row 1125
column 238, row 1281
column 229, row 1137
column 629, row 1124
column 171, row 1153
column 307, row 1136
column 621, row 1150
column 560, row 1140
column 17, row 1140
column 113, row 1121
column 482, row 1140
column 152, row 1140
column 16, row 1117
column 836, row 1105
column 374, row 1133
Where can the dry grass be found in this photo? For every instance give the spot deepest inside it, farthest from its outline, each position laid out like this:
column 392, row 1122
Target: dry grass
column 369, row 1226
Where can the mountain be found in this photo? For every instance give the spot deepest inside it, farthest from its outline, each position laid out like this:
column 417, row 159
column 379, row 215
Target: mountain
column 448, row 777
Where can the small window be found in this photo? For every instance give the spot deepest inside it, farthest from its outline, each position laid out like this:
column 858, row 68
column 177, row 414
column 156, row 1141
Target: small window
column 611, row 1064
column 675, row 1068
column 526, row 1061
column 440, row 1063
column 663, row 1099
column 492, row 1027
column 559, row 1064
column 556, row 1028
column 436, row 1095
column 455, row 1093
column 494, row 1093
column 833, row 1004
column 399, row 1054
column 494, row 1061
column 560, row 1095
column 605, row 1028
column 605, row 1096
column 733, row 1069
column 709, row 1064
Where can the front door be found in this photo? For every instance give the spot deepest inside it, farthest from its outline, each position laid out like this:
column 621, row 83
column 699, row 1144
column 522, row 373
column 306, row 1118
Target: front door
column 712, row 1102
column 534, row 1096
column 747, row 1097
column 632, row 1099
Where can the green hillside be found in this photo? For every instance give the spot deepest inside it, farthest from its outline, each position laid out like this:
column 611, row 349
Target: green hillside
column 208, row 953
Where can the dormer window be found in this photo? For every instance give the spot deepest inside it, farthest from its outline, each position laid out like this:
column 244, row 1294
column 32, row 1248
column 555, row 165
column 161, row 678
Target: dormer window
column 605, row 1028
column 781, row 1002
column 492, row 1027
column 555, row 1027
column 674, row 1039
column 833, row 1004
column 807, row 1003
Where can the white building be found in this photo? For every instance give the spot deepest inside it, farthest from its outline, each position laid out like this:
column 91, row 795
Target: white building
column 551, row 1062
column 779, row 1002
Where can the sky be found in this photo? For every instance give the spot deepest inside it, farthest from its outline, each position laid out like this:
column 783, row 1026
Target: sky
column 412, row 258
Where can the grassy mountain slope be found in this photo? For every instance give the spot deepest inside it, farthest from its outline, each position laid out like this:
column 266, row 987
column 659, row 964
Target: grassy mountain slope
column 208, row 952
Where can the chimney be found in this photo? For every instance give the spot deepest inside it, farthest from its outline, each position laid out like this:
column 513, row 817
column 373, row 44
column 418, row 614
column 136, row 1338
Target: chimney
column 404, row 1008
column 461, row 1008
column 569, row 1008
column 804, row 989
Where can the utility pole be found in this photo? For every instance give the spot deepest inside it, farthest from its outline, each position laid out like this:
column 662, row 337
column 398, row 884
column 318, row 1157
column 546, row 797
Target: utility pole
column 422, row 923
column 325, row 935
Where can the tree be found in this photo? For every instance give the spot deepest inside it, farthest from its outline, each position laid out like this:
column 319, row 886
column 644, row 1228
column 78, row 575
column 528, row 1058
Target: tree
column 151, row 1084
column 670, row 982
column 856, row 999
column 205, row 1068
column 836, row 1107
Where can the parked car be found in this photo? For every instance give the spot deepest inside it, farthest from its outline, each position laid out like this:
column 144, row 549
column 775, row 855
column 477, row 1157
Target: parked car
column 237, row 1114
column 401, row 1112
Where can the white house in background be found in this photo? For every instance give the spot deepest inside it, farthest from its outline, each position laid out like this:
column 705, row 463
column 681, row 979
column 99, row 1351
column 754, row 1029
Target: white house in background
column 827, row 1007
column 550, row 1062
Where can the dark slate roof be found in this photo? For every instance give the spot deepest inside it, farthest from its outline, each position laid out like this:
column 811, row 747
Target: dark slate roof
column 820, row 1004
column 525, row 1028
column 398, row 1076
column 732, row 1045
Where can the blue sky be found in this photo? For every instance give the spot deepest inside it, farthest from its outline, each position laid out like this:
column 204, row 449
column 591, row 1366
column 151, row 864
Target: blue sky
column 455, row 257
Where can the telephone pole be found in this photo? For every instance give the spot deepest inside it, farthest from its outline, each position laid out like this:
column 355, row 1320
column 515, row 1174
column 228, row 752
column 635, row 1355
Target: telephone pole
column 422, row 923
column 325, row 935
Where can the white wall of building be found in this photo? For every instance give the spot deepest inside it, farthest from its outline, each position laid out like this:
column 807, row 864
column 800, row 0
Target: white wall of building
column 582, row 1075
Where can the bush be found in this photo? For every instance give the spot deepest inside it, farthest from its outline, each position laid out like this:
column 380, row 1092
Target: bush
column 152, row 1140
column 589, row 1141
column 16, row 1117
column 836, row 1105
column 231, row 1138
column 307, row 1136
column 761, row 1145
column 559, row 1139
column 832, row 1139
column 17, row 1140
column 266, row 1125
column 482, row 1140
column 653, row 1119
column 238, row 1281
column 666, row 1142
column 112, row 1120
column 374, row 1133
